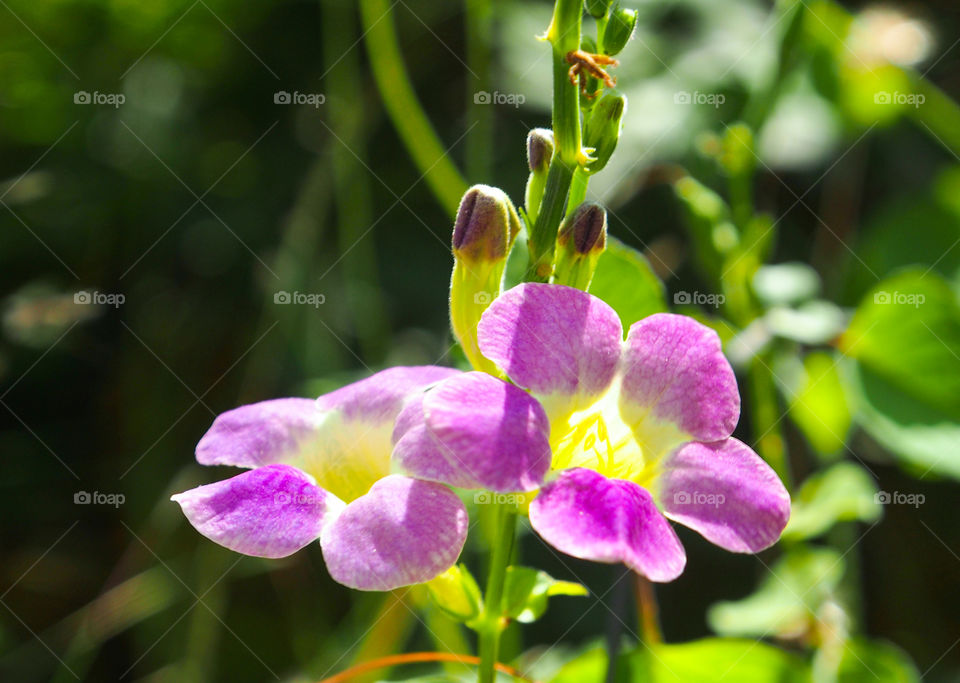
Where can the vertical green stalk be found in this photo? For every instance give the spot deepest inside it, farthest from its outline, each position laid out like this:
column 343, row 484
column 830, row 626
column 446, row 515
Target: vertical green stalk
column 766, row 420
column 578, row 190
column 351, row 179
column 564, row 36
column 479, row 29
column 400, row 101
column 490, row 623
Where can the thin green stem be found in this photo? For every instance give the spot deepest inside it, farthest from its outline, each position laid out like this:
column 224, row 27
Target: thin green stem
column 400, row 100
column 766, row 420
column 478, row 25
column 490, row 623
column 578, row 189
column 937, row 114
column 564, row 36
column 351, row 179
column 543, row 235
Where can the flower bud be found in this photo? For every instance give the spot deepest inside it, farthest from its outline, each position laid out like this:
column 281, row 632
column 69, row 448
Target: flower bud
column 486, row 225
column 483, row 234
column 597, row 8
column 602, row 129
column 582, row 238
column 539, row 154
column 539, row 149
column 619, row 30
column 456, row 592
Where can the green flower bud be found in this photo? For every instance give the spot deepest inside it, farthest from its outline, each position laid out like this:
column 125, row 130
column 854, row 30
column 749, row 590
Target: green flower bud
column 619, row 30
column 540, row 148
column 456, row 592
column 582, row 238
column 483, row 234
column 602, row 129
column 597, row 8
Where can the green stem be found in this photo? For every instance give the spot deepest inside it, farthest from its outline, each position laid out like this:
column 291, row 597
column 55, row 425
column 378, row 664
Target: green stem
column 490, row 623
column 938, row 114
column 352, row 181
column 400, row 100
column 578, row 190
column 766, row 420
column 564, row 36
column 478, row 24
column 543, row 235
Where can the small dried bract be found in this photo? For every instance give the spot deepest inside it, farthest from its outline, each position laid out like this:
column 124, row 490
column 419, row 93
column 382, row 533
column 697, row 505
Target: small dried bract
column 587, row 63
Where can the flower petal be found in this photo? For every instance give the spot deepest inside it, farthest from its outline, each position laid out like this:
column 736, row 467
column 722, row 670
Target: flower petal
column 553, row 340
column 674, row 371
column 260, row 434
column 270, row 511
column 727, row 493
column 420, row 454
column 491, row 434
column 404, row 531
column 380, row 397
column 587, row 515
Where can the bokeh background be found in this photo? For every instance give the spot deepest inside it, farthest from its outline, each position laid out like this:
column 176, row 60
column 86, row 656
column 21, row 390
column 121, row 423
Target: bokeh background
column 170, row 169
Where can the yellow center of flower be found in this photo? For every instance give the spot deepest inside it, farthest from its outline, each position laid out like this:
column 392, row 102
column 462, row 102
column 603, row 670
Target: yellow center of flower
column 351, row 457
column 618, row 441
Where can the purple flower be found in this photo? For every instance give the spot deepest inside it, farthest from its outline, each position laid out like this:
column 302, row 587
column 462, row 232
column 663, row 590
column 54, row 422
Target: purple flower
column 639, row 430
column 321, row 469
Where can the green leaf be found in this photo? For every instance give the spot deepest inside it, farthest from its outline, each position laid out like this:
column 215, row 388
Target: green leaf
column 786, row 283
column 818, row 401
column 588, row 666
column 905, row 339
column 842, row 493
column 710, row 659
column 625, row 280
column 699, row 661
column 813, row 322
column 923, row 437
column 526, row 592
column 907, row 330
column 786, row 600
column 868, row 661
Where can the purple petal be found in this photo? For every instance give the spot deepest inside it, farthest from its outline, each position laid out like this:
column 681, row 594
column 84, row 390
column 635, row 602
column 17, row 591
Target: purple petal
column 419, row 453
column 270, row 511
column 727, row 493
column 553, row 339
column 260, row 433
column 404, row 531
column 587, row 515
column 675, row 372
column 491, row 434
column 380, row 397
